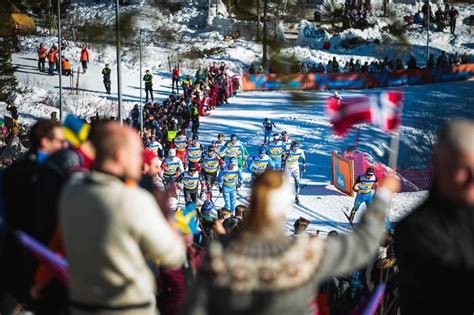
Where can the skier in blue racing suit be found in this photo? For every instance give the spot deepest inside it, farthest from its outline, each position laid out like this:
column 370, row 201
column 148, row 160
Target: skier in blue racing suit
column 364, row 186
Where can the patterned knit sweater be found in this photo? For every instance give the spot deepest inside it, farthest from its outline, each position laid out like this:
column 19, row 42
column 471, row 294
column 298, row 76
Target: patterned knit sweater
column 248, row 274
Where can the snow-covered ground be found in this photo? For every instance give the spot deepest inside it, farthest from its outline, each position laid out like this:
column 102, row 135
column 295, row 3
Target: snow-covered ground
column 299, row 113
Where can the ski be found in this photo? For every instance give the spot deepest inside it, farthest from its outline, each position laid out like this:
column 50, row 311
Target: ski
column 348, row 219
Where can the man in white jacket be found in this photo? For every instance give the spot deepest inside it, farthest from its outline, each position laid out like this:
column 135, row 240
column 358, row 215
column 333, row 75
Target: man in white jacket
column 111, row 227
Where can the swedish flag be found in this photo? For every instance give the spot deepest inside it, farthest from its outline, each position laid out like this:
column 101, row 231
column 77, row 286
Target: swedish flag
column 186, row 221
column 75, row 129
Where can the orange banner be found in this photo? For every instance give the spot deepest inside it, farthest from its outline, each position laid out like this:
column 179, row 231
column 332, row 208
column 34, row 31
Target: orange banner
column 342, row 173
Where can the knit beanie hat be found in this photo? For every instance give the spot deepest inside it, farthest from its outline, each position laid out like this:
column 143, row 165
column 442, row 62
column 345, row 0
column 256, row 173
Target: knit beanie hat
column 148, row 156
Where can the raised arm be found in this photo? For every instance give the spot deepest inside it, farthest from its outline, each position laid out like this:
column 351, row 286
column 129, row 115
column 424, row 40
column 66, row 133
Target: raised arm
column 348, row 252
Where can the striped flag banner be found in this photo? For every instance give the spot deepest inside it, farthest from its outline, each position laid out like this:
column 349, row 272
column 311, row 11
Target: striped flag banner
column 383, row 110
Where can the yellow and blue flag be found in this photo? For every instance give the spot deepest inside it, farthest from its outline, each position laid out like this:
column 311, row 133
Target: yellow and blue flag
column 75, row 129
column 186, row 220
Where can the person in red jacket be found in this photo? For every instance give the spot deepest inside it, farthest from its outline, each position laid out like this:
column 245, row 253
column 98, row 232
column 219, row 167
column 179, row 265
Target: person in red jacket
column 175, row 78
column 52, row 58
column 84, row 58
column 41, row 57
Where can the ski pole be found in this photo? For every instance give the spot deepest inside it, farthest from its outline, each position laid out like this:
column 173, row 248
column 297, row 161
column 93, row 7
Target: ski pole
column 214, row 201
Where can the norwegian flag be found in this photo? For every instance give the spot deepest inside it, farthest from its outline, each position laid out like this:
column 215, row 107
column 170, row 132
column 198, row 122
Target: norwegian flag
column 382, row 110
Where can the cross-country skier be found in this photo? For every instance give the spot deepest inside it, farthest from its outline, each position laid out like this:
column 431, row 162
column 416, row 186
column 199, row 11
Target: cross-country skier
column 229, row 180
column 276, row 150
column 106, row 77
column 180, row 143
column 292, row 166
column 194, row 152
column 155, row 146
column 211, row 163
column 190, row 180
column 219, row 144
column 286, row 140
column 364, row 186
column 172, row 168
column 235, row 149
column 260, row 163
column 337, row 96
column 268, row 125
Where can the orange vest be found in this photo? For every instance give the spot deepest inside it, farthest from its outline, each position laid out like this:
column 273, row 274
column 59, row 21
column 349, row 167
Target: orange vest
column 66, row 65
column 42, row 52
column 84, row 55
column 52, row 56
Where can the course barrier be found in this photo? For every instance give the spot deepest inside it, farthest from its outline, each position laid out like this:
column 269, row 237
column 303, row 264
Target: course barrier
column 211, row 100
column 342, row 173
column 411, row 180
column 355, row 80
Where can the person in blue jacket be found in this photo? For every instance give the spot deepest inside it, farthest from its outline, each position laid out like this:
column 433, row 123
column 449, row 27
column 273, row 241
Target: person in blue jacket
column 229, row 181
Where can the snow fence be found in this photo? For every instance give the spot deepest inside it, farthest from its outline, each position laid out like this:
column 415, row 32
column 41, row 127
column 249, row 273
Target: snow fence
column 346, row 168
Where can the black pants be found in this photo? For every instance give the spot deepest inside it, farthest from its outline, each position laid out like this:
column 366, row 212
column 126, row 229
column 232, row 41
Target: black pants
column 195, row 127
column 210, row 179
column 107, row 86
column 84, row 66
column 41, row 63
column 190, row 195
column 53, row 300
column 173, row 82
column 148, row 89
column 51, row 68
column 222, row 96
column 452, row 26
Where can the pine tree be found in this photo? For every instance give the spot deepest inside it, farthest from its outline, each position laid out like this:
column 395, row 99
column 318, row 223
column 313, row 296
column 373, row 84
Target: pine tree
column 8, row 82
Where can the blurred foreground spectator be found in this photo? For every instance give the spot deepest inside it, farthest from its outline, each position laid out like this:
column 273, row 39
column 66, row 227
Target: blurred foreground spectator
column 260, row 270
column 124, row 227
column 434, row 245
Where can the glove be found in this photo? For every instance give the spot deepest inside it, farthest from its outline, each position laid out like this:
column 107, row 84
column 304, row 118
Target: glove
column 238, row 185
column 303, row 169
column 220, row 190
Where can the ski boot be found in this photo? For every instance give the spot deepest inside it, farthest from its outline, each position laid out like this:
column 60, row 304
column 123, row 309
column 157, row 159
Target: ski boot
column 297, row 199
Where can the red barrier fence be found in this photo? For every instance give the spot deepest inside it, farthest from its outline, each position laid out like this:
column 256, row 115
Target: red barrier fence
column 356, row 80
column 211, row 100
column 411, row 180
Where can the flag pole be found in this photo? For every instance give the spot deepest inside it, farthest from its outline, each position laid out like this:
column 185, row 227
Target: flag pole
column 394, row 147
column 392, row 163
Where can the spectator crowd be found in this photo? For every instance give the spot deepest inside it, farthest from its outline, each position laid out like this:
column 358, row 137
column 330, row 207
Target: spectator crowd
column 386, row 64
